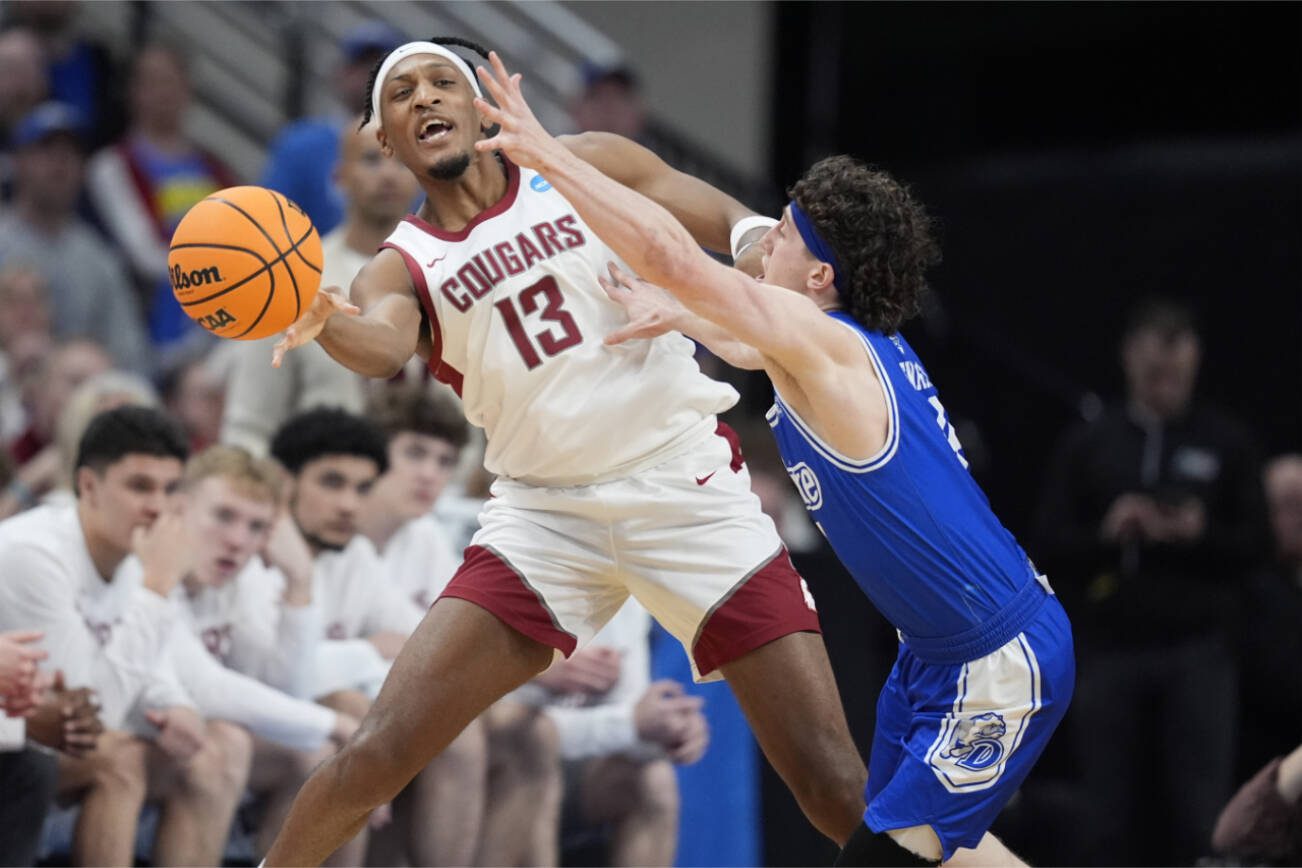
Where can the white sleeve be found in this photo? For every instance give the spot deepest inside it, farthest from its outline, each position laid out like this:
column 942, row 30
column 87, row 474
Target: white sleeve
column 346, row 664
column 39, row 593
column 224, row 694
column 608, row 727
column 273, row 642
column 117, row 201
column 13, row 733
column 165, row 689
column 388, row 607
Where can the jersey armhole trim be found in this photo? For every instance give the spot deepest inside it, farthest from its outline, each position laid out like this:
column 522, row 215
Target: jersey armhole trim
column 442, row 371
column 833, row 457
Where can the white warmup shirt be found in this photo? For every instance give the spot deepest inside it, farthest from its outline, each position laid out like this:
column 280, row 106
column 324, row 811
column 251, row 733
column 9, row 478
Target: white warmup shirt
column 356, row 601
column 260, row 398
column 233, row 638
column 13, row 733
column 516, row 326
column 420, row 559
column 108, row 636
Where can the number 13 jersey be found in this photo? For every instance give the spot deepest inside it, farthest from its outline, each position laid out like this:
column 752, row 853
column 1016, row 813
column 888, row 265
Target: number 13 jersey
column 516, row 320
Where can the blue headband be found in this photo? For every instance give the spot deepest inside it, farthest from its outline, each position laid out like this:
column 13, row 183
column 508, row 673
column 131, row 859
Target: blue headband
column 821, row 249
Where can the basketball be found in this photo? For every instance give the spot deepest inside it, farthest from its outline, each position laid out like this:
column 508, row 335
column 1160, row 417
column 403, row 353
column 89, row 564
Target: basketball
column 245, row 263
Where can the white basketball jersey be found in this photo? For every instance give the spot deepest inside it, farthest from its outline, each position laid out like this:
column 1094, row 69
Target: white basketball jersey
column 517, row 320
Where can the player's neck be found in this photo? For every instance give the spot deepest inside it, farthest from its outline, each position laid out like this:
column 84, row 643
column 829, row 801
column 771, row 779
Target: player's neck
column 105, row 556
column 380, row 527
column 451, row 205
column 365, row 236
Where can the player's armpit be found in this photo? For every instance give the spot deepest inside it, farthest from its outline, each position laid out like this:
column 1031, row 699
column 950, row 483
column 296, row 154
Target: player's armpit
column 707, row 213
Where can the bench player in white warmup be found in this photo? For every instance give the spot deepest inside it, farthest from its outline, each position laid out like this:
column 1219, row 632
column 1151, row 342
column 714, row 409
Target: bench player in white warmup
column 613, row 476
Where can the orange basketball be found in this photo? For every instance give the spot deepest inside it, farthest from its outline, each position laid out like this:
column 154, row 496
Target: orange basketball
column 245, row 263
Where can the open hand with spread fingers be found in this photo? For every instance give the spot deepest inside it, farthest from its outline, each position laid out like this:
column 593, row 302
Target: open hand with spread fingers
column 329, row 301
column 520, row 136
column 651, row 310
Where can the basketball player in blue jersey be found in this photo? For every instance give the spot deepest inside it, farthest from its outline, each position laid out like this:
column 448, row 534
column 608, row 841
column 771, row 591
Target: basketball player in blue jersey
column 985, row 669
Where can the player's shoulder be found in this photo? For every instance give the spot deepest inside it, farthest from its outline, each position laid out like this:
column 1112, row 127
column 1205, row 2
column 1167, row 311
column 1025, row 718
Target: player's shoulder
column 49, row 535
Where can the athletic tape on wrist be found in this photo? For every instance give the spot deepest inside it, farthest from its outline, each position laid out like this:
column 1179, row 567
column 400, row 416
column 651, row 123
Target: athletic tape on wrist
column 744, row 225
column 405, row 51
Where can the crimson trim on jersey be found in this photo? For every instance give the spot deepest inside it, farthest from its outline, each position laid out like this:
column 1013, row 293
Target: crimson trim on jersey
column 725, row 431
column 512, row 188
column 488, row 580
column 442, row 371
column 767, row 604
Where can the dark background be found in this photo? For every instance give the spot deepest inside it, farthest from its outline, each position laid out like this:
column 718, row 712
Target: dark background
column 1076, row 158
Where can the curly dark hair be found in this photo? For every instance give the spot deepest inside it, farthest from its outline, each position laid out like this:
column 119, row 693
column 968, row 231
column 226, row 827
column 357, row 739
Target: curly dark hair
column 881, row 234
column 445, row 41
column 323, row 431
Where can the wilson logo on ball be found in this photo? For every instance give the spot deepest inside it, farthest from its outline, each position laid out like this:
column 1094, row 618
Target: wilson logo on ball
column 197, row 277
column 216, row 320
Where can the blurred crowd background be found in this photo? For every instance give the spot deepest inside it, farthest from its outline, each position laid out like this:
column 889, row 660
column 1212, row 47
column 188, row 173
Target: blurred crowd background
column 1116, row 327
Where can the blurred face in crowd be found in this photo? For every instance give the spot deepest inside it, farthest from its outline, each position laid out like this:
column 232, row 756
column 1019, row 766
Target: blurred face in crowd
column 328, row 495
column 419, row 469
column 160, row 90
column 198, row 403
column 48, row 174
column 429, row 118
column 130, row 493
column 68, row 367
column 379, row 189
column 1161, row 368
column 1284, row 497
column 23, row 305
column 231, row 521
column 611, row 105
column 22, row 74
column 351, row 79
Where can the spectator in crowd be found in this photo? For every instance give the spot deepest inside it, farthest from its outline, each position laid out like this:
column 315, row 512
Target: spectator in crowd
column 610, row 101
column 1271, row 634
column 23, row 87
column 79, row 68
column 249, row 627
column 46, row 394
column 41, row 711
column 377, row 192
column 90, row 295
column 619, row 736
column 58, row 574
column 143, row 185
column 1262, row 824
column 334, row 459
column 1151, row 517
column 304, row 155
column 25, row 339
column 425, row 431
column 193, row 392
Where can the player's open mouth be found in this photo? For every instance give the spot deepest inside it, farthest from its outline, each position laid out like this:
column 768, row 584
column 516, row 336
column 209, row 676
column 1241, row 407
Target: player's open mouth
column 433, row 131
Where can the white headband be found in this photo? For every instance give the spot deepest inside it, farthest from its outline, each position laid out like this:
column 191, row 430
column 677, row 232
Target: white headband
column 408, row 50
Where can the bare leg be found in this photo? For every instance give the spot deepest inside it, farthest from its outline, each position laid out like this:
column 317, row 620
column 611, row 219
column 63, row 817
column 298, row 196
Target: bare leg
column 991, row 851
column 459, row 661
column 641, row 800
column 356, row 850
column 199, row 800
column 111, row 782
column 522, row 807
column 446, row 804
column 277, row 773
column 789, row 696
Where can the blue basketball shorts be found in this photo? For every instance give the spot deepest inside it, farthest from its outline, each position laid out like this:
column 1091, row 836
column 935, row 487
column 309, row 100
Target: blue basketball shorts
column 955, row 741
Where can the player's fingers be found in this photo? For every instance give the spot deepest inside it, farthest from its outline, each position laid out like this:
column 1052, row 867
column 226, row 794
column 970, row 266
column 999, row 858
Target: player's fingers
column 23, row 636
column 621, row 276
column 619, row 336
column 499, row 68
column 278, row 351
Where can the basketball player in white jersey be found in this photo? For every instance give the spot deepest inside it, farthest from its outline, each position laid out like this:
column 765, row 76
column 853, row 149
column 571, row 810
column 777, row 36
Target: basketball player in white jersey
column 611, row 477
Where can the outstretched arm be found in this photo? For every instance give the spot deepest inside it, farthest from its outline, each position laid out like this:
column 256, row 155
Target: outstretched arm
column 377, row 334
column 785, row 326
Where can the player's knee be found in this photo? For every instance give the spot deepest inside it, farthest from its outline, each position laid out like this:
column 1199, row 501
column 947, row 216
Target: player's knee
column 657, row 789
column 120, row 766
column 221, row 767
column 916, row 846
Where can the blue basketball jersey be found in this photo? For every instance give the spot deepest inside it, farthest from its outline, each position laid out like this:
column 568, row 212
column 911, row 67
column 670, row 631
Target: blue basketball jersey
column 909, row 523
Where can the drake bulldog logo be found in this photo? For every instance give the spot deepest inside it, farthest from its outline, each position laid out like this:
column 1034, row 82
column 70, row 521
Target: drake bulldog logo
column 976, row 743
